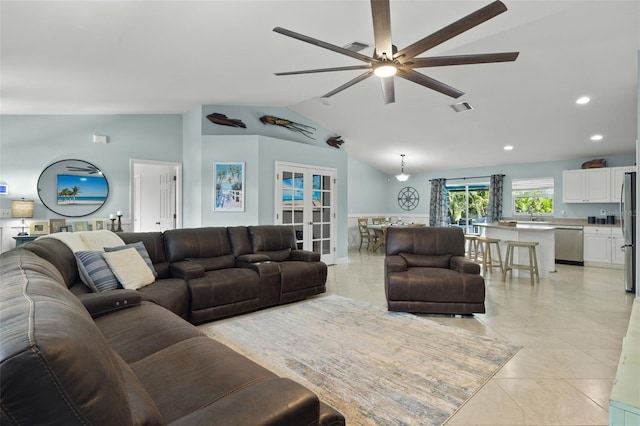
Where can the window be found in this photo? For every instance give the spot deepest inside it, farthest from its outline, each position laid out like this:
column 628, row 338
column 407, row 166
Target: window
column 468, row 204
column 532, row 196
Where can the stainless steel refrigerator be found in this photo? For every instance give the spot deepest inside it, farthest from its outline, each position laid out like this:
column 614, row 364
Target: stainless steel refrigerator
column 628, row 223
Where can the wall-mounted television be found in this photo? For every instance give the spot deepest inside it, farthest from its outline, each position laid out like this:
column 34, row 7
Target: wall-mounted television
column 74, row 189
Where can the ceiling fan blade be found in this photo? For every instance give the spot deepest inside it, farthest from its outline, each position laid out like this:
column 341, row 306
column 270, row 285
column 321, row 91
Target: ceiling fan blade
column 382, row 27
column 349, row 83
column 323, row 44
column 450, row 31
column 388, row 91
column 429, row 82
column 442, row 61
column 354, row 67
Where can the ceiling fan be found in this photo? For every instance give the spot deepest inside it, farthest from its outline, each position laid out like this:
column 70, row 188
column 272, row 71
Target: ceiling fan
column 387, row 61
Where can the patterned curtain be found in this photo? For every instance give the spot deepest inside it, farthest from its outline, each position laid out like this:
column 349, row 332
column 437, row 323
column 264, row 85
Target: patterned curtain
column 494, row 210
column 438, row 210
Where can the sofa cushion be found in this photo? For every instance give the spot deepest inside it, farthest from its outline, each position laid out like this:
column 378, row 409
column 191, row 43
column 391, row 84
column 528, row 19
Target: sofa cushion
column 181, row 244
column 95, row 271
column 435, row 285
column 60, row 256
column 54, row 362
column 154, row 243
column 141, row 249
column 170, row 293
column 270, row 238
column 213, row 263
column 129, row 267
column 425, row 261
column 424, row 241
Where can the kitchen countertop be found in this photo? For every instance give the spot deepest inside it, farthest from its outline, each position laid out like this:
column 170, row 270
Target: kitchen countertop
column 519, row 226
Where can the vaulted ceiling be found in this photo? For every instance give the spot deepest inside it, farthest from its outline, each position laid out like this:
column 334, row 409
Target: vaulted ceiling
column 143, row 57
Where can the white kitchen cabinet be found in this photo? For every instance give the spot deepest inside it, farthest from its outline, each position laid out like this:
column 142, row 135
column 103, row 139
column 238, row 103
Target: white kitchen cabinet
column 602, row 245
column 597, row 244
column 586, row 185
column 617, row 241
column 617, row 177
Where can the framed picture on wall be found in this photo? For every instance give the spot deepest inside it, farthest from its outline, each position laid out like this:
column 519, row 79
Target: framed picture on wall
column 99, row 225
column 56, row 224
column 39, row 228
column 228, row 193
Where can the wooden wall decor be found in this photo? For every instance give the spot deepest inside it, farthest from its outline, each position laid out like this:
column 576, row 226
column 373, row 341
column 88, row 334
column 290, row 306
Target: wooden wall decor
column 223, row 120
column 335, row 141
column 291, row 125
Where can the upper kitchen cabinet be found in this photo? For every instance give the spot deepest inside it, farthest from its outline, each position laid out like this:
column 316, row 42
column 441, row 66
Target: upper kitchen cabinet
column 617, row 177
column 586, row 185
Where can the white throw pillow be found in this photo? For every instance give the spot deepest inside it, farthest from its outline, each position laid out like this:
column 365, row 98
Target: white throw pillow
column 129, row 268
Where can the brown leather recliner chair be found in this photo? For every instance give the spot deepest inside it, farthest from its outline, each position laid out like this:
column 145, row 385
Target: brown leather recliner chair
column 426, row 272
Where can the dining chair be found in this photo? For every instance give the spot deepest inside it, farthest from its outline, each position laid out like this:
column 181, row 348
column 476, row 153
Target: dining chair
column 365, row 232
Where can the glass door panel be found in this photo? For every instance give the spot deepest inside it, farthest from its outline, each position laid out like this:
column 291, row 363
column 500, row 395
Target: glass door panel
column 305, row 201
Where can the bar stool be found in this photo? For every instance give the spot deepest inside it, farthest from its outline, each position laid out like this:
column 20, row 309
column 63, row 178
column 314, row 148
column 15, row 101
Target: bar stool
column 488, row 262
column 532, row 267
column 471, row 246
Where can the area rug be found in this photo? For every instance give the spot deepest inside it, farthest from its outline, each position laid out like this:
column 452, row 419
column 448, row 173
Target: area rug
column 374, row 366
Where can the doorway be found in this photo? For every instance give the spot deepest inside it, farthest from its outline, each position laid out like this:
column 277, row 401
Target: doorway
column 156, row 196
column 306, row 201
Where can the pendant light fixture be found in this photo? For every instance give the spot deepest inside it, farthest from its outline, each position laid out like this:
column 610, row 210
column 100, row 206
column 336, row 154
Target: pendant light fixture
column 402, row 176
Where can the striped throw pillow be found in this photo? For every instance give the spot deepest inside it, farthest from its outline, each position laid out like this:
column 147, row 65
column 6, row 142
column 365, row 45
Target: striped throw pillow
column 95, row 272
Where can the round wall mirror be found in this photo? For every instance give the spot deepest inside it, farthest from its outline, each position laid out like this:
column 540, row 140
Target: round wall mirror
column 73, row 188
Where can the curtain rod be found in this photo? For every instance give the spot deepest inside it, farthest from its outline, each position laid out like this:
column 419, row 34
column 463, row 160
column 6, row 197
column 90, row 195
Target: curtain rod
column 467, row 177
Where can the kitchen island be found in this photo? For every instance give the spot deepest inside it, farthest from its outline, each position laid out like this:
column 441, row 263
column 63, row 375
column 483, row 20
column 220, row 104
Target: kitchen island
column 544, row 234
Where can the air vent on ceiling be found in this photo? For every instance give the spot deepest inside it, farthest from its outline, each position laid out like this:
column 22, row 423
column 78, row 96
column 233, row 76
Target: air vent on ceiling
column 356, row 46
column 462, row 106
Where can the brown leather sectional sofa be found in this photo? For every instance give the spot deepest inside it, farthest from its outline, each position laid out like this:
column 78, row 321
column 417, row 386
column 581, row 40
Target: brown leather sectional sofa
column 121, row 357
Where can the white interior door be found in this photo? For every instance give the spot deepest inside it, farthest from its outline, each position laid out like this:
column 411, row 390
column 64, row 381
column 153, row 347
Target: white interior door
column 305, row 200
column 156, row 197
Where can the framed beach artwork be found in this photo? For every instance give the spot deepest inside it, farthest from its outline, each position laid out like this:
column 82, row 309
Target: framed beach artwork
column 228, row 195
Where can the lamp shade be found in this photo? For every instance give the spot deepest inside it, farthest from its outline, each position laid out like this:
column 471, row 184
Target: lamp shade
column 22, row 208
column 402, row 177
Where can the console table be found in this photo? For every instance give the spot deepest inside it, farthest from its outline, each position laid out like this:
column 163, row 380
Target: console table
column 23, row 239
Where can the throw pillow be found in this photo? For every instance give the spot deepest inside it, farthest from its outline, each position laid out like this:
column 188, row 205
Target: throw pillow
column 129, row 267
column 95, row 272
column 141, row 249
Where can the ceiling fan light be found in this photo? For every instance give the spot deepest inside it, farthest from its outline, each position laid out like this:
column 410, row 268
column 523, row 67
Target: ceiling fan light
column 385, row 71
column 402, row 177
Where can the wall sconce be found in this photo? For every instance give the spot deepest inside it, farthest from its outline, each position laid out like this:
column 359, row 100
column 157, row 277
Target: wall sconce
column 402, row 177
column 22, row 209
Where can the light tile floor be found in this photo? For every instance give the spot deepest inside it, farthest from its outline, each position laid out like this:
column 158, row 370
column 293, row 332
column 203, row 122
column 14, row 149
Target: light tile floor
column 570, row 326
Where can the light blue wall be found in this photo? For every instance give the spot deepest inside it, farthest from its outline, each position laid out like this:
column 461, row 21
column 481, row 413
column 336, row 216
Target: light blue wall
column 368, row 189
column 191, row 162
column 28, row 144
column 420, row 181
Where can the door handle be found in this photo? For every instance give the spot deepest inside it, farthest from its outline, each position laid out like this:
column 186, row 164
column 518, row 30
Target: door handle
column 157, row 223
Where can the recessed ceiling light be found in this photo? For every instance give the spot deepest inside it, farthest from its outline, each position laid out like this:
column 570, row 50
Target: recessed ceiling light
column 596, row 137
column 508, row 147
column 583, row 100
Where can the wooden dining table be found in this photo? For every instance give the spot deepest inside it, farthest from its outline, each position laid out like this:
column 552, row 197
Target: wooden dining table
column 381, row 230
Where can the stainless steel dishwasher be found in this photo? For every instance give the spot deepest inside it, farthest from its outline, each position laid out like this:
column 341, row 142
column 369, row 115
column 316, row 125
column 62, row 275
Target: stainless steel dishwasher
column 569, row 244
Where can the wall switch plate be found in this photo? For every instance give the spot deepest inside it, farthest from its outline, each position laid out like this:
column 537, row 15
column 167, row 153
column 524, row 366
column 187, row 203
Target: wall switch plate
column 5, row 213
column 603, row 212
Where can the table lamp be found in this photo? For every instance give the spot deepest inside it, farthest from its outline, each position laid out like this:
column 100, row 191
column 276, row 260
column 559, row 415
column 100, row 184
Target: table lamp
column 22, row 209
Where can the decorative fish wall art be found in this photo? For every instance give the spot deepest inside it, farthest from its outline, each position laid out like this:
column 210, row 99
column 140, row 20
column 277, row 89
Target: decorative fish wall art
column 223, row 120
column 335, row 141
column 291, row 125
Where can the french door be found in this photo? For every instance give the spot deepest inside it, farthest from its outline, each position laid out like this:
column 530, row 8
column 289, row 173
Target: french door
column 305, row 200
